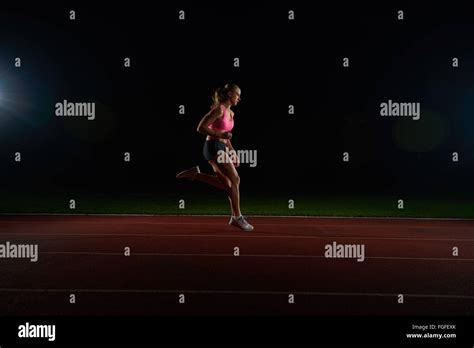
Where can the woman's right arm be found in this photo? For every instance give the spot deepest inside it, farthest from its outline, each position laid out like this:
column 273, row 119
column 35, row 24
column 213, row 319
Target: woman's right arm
column 210, row 117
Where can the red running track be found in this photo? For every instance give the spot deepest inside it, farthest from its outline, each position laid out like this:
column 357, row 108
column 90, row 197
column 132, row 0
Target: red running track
column 194, row 256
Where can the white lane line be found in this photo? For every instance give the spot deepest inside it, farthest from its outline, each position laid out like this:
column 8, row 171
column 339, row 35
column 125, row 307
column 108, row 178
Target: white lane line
column 230, row 236
column 124, row 223
column 255, row 255
column 237, row 292
column 253, row 216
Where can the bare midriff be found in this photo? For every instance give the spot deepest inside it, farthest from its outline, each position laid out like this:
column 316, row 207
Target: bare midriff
column 211, row 137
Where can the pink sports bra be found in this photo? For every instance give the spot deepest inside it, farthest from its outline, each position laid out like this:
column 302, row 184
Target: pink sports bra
column 225, row 123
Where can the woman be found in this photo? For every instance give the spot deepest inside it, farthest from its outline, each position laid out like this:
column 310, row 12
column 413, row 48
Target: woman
column 216, row 125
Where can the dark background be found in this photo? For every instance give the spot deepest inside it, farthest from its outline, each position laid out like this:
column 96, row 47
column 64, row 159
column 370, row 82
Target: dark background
column 282, row 62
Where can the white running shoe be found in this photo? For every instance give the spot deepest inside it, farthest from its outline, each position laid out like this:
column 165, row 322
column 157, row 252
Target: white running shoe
column 241, row 223
column 189, row 173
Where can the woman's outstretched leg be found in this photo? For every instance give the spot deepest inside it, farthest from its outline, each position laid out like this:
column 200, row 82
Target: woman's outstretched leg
column 195, row 174
column 229, row 171
column 228, row 184
column 226, row 179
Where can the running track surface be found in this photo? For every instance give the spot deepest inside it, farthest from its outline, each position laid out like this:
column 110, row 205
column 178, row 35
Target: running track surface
column 194, row 256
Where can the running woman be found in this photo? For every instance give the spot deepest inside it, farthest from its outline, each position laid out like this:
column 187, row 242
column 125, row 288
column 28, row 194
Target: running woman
column 216, row 125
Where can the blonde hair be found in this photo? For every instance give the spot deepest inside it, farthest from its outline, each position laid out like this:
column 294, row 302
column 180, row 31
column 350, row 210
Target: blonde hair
column 220, row 94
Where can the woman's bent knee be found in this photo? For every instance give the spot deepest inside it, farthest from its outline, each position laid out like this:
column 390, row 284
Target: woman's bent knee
column 236, row 180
